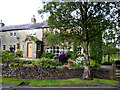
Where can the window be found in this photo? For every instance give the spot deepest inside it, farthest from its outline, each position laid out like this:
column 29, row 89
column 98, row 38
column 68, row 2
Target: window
column 23, row 47
column 14, row 46
column 79, row 50
column 14, row 33
column 11, row 34
column 34, row 33
column 4, row 47
column 54, row 49
column 10, row 46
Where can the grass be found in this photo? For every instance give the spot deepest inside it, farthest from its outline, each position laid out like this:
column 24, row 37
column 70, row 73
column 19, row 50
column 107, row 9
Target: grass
column 59, row 82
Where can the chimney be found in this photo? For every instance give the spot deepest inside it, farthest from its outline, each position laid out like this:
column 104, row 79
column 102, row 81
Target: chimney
column 2, row 24
column 33, row 20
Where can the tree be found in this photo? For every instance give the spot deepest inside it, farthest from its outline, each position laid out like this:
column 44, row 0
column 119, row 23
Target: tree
column 110, row 50
column 81, row 22
column 95, row 49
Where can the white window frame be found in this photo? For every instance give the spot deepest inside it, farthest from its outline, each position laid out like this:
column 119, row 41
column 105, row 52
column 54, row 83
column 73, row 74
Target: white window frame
column 79, row 51
column 57, row 50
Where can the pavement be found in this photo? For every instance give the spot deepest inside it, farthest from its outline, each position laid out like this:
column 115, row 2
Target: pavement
column 13, row 86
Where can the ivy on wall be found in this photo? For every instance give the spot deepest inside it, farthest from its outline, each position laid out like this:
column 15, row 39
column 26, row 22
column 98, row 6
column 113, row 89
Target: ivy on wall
column 32, row 38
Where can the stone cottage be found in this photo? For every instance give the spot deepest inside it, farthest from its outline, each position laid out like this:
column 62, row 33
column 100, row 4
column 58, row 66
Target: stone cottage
column 28, row 37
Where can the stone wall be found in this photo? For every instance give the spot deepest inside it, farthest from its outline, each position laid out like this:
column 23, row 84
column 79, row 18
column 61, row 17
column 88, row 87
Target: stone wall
column 40, row 72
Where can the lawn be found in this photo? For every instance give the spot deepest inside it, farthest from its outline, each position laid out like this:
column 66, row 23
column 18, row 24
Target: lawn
column 59, row 82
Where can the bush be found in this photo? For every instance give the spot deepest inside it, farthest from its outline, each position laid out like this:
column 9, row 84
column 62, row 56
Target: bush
column 117, row 62
column 19, row 52
column 46, row 62
column 8, row 57
column 63, row 58
column 92, row 63
column 80, row 64
column 25, row 61
column 73, row 55
column 48, row 55
column 107, row 63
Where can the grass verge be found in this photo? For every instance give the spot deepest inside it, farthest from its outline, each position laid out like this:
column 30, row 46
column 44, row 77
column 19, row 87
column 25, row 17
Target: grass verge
column 59, row 82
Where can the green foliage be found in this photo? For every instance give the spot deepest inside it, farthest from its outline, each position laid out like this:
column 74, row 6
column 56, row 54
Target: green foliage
column 107, row 63
column 8, row 57
column 25, row 61
column 80, row 64
column 72, row 54
column 117, row 62
column 110, row 50
column 75, row 47
column 95, row 49
column 19, row 52
column 94, row 64
column 18, row 45
column 31, row 37
column 46, row 62
column 48, row 55
column 82, row 21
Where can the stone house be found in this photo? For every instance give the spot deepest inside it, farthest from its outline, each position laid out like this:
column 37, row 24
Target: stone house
column 28, row 37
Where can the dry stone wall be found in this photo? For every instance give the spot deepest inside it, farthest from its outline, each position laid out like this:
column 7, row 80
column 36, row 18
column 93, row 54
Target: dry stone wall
column 41, row 72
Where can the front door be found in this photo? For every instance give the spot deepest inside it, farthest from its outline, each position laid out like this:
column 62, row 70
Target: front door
column 29, row 49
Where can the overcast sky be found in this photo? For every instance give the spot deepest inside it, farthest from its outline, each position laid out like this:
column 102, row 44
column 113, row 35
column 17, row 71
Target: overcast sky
column 16, row 12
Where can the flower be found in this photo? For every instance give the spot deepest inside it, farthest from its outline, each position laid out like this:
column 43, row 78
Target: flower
column 68, row 64
column 72, row 65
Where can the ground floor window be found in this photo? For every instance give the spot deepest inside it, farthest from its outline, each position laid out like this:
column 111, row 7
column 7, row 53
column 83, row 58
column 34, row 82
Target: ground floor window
column 55, row 49
column 12, row 48
column 4, row 47
column 79, row 49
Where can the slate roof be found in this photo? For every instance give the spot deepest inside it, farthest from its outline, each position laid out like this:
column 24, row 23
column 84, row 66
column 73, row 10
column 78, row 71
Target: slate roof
column 25, row 26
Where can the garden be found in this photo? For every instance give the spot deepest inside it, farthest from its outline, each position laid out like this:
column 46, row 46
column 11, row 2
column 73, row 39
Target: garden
column 66, row 67
column 70, row 59
column 48, row 59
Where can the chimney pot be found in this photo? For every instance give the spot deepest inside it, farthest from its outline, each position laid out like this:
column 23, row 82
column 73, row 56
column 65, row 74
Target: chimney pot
column 33, row 20
column 2, row 24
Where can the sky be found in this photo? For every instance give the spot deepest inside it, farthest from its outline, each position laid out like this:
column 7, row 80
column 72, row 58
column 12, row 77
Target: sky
column 16, row 12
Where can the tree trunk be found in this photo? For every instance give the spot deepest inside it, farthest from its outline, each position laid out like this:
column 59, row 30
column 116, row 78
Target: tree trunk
column 86, row 74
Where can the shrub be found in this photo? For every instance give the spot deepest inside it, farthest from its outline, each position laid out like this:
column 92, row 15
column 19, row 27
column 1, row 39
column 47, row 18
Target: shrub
column 80, row 64
column 46, row 62
column 21, row 61
column 19, row 52
column 107, row 63
column 48, row 55
column 74, row 55
column 8, row 57
column 117, row 62
column 92, row 63
column 63, row 58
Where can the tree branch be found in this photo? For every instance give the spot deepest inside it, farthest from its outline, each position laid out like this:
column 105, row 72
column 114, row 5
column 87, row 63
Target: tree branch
column 99, row 31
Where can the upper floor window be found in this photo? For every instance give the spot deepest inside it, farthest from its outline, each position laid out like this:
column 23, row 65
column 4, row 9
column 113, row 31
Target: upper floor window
column 11, row 34
column 4, row 47
column 14, row 33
